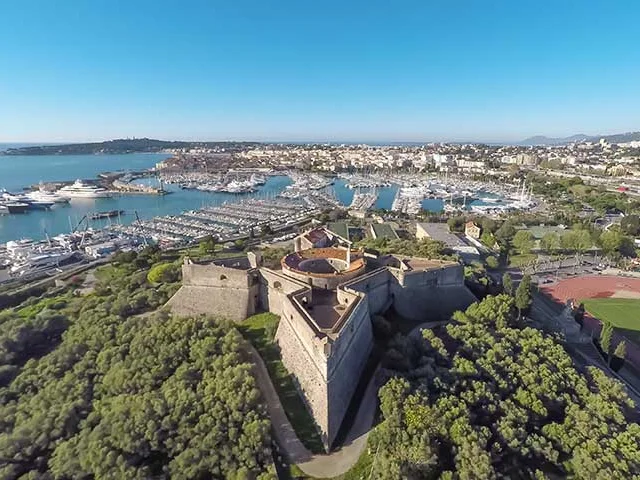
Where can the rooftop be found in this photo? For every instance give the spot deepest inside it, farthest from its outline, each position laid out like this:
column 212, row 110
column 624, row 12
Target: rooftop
column 384, row 230
column 441, row 233
column 415, row 263
column 339, row 228
column 325, row 308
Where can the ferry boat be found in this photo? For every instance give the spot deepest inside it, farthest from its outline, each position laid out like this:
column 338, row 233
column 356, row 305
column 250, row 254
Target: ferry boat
column 83, row 190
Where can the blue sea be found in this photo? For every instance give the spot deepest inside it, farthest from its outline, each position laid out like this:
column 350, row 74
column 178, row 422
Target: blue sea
column 18, row 172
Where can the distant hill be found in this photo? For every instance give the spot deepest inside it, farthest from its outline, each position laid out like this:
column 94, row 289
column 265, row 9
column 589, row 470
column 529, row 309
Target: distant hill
column 617, row 138
column 120, row 146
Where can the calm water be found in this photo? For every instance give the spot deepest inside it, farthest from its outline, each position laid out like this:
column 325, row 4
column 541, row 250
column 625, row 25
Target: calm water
column 385, row 196
column 17, row 172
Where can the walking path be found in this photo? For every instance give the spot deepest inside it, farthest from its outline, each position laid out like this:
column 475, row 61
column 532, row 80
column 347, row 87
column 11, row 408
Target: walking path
column 320, row 465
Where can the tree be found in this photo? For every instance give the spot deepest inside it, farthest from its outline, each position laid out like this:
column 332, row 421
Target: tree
column 606, row 334
column 489, row 225
column 487, row 398
column 523, row 295
column 488, row 239
column 621, row 350
column 630, row 224
column 550, row 242
column 492, row 262
column 627, row 247
column 164, row 272
column 505, row 232
column 576, row 240
column 615, row 244
column 523, row 241
column 456, row 224
column 207, row 245
column 507, row 284
column 583, row 241
column 266, row 230
column 131, row 398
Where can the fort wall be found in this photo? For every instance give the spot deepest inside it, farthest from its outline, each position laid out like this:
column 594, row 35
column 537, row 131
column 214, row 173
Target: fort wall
column 326, row 364
column 304, row 357
column 274, row 287
column 349, row 354
column 430, row 294
column 217, row 290
column 327, row 281
column 376, row 286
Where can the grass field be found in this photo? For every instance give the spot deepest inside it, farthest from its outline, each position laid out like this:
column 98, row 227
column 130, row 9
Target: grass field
column 622, row 313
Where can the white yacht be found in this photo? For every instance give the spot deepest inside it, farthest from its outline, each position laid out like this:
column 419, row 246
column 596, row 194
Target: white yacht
column 45, row 196
column 83, row 190
column 41, row 261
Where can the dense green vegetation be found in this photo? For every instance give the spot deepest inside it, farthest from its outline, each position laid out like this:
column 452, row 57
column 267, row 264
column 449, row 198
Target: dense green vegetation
column 424, row 248
column 486, row 398
column 260, row 330
column 88, row 389
column 571, row 194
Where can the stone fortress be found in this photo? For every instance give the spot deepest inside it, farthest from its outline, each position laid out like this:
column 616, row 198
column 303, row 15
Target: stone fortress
column 325, row 294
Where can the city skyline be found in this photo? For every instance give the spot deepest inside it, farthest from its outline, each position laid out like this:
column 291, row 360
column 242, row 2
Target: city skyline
column 300, row 73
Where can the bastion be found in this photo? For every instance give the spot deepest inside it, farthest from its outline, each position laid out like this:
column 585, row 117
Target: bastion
column 325, row 294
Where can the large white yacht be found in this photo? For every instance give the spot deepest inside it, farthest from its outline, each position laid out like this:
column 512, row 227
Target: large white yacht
column 45, row 196
column 83, row 190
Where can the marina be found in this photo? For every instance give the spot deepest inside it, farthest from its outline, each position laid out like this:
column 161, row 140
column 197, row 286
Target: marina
column 31, row 215
column 61, row 222
column 227, row 222
column 233, row 181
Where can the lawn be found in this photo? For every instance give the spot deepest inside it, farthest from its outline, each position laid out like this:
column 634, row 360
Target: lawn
column 521, row 260
column 260, row 330
column 622, row 313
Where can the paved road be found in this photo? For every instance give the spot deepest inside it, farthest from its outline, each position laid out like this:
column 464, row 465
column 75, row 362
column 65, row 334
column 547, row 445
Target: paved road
column 339, row 461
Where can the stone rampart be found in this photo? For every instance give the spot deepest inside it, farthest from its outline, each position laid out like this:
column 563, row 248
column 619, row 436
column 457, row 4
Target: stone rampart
column 324, row 281
column 349, row 355
column 300, row 361
column 326, row 363
column 217, row 290
column 216, row 276
column 377, row 287
column 274, row 287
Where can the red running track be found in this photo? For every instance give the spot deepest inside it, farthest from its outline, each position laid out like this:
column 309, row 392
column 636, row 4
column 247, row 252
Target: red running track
column 595, row 286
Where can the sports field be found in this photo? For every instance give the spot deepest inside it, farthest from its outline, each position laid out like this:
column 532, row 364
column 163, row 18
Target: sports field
column 620, row 312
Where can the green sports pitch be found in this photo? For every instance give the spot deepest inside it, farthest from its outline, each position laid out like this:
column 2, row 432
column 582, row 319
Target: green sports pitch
column 620, row 312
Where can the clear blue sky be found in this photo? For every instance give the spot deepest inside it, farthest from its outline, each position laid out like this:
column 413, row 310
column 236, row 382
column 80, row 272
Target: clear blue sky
column 317, row 70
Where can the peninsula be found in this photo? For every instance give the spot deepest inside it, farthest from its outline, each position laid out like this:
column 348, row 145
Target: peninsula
column 128, row 145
